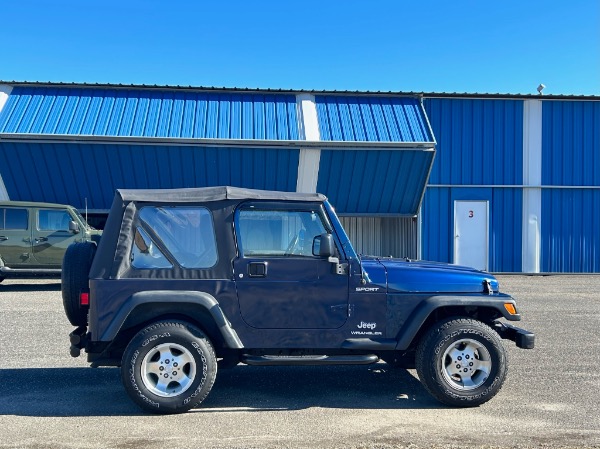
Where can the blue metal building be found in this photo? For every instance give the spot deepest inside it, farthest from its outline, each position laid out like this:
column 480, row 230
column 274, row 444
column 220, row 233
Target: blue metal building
column 514, row 182
column 535, row 162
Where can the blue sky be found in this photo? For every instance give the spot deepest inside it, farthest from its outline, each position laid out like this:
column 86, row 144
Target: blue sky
column 502, row 46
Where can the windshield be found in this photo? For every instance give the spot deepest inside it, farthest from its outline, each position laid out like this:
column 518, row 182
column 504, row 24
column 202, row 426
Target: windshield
column 83, row 220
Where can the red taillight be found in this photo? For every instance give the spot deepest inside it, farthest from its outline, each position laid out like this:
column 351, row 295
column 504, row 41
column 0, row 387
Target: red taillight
column 84, row 299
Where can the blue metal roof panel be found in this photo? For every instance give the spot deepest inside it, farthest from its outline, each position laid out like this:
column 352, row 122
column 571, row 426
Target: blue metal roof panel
column 374, row 181
column 372, row 119
column 571, row 143
column 68, row 173
column 149, row 113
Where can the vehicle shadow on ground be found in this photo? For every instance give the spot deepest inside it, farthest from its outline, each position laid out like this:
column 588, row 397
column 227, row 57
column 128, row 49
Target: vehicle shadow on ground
column 13, row 286
column 99, row 392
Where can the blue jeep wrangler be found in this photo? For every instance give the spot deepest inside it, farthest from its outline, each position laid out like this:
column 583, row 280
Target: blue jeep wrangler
column 185, row 281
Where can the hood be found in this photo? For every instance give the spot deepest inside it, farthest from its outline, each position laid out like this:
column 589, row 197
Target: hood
column 432, row 277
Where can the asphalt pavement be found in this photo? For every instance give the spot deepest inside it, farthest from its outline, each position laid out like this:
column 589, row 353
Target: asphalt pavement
column 550, row 399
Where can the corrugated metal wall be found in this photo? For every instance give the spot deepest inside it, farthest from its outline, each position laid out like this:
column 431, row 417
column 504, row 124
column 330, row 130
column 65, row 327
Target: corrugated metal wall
column 372, row 119
column 69, row 173
column 383, row 236
column 570, row 231
column 480, row 144
column 374, row 181
column 571, row 157
column 149, row 113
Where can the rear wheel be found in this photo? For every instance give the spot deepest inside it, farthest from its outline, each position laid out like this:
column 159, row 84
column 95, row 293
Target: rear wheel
column 462, row 362
column 169, row 367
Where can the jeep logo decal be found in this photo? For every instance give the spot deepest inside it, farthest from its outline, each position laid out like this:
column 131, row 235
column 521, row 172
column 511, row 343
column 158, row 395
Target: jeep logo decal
column 364, row 325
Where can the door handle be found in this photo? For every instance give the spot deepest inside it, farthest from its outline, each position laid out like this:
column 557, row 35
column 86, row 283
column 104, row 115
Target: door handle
column 40, row 239
column 3, row 238
column 257, row 269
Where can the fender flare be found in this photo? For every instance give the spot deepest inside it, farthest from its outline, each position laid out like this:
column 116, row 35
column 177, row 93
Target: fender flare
column 429, row 305
column 175, row 299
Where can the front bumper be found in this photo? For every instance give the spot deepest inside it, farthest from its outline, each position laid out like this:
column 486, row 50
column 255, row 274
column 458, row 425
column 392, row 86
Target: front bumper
column 522, row 338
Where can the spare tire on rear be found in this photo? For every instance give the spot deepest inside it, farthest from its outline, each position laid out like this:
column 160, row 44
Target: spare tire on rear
column 75, row 274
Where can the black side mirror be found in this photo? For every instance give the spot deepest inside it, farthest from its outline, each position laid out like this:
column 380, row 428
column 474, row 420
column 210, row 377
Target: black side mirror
column 323, row 246
column 74, row 227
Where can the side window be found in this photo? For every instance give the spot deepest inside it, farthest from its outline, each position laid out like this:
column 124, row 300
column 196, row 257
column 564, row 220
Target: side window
column 187, row 232
column 53, row 220
column 13, row 219
column 145, row 254
column 277, row 232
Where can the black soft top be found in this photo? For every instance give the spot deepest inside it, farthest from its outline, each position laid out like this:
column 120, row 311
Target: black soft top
column 205, row 194
column 112, row 257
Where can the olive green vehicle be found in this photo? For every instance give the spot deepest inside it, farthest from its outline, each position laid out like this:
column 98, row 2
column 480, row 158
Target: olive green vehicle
column 35, row 236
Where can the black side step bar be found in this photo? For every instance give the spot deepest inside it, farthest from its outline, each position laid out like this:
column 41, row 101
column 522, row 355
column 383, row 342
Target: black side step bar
column 270, row 360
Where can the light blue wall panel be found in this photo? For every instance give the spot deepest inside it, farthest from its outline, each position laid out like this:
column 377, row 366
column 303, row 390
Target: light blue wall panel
column 372, row 119
column 149, row 113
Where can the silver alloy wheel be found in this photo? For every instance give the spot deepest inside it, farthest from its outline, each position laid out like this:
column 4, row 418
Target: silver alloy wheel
column 466, row 364
column 168, row 370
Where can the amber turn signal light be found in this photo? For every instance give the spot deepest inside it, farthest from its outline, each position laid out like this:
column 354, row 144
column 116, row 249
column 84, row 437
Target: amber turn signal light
column 510, row 308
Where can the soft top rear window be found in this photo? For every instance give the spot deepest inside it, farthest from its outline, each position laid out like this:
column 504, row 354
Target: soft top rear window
column 186, row 232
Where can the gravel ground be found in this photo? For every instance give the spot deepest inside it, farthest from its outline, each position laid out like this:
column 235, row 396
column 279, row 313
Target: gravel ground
column 550, row 399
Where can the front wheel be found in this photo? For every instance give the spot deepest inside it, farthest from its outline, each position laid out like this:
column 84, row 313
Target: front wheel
column 169, row 367
column 462, row 362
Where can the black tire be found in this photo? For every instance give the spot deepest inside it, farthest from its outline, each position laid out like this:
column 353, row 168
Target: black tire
column 169, row 367
column 461, row 362
column 75, row 275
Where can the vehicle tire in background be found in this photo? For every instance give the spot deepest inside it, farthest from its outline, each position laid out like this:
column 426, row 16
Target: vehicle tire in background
column 75, row 274
column 461, row 362
column 169, row 367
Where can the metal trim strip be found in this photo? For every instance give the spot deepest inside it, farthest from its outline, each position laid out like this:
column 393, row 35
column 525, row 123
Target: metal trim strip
column 245, row 143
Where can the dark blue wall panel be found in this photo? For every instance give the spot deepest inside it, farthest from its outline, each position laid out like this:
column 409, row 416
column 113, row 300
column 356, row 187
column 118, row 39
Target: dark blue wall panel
column 571, row 143
column 570, row 224
column 571, row 157
column 374, row 181
column 479, row 142
column 69, row 173
column 505, row 239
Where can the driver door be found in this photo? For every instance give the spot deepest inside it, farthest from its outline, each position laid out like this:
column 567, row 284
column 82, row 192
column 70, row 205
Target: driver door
column 280, row 283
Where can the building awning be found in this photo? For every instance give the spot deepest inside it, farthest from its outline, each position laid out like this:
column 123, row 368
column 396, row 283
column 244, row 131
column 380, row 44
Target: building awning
column 78, row 144
column 375, row 181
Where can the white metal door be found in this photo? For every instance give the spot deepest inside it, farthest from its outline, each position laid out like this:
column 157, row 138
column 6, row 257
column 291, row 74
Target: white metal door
column 471, row 234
